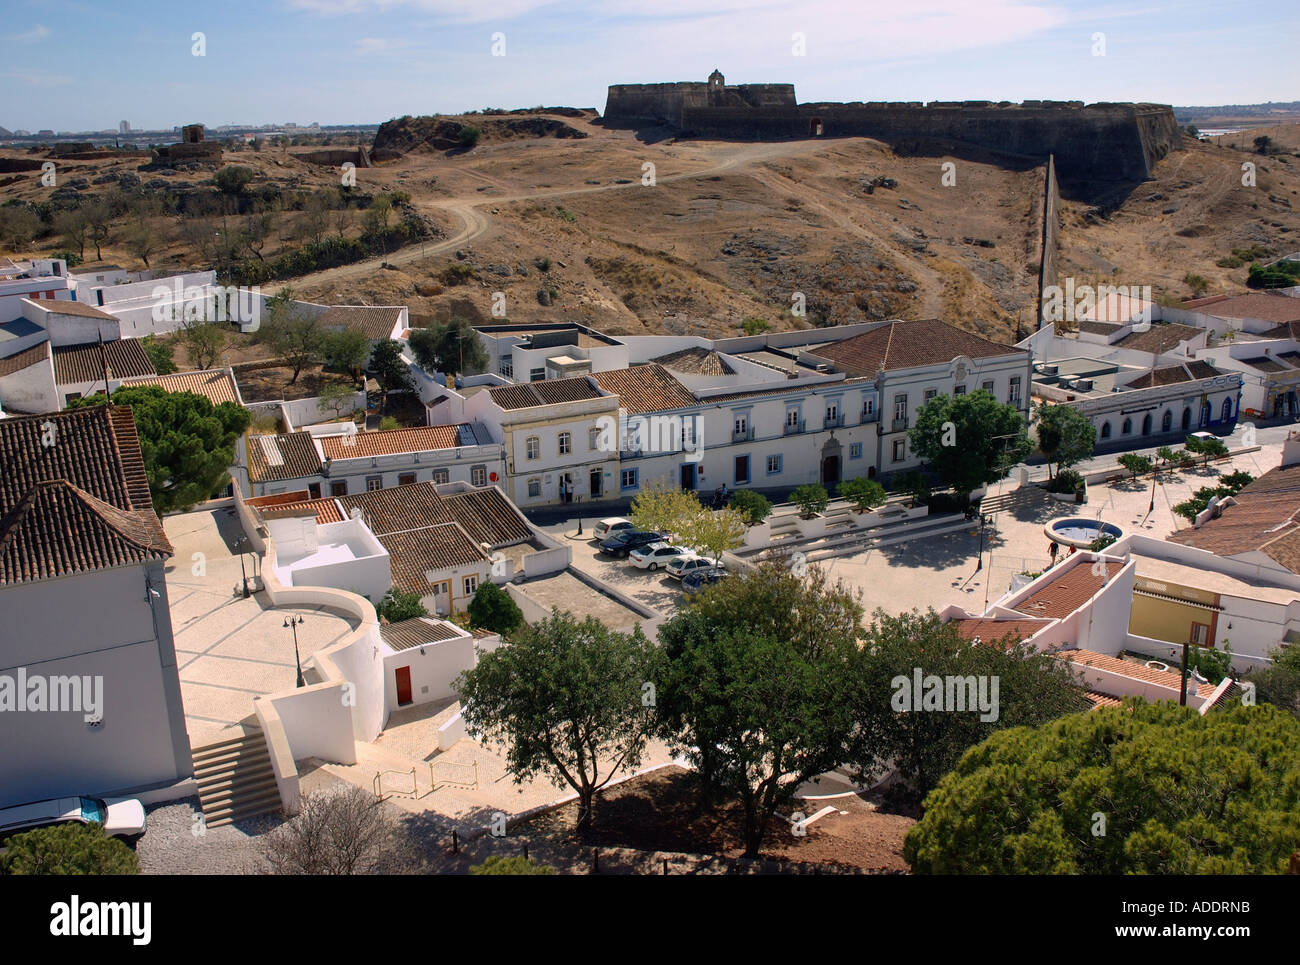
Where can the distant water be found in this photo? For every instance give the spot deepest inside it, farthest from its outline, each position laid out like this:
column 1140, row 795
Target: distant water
column 1217, row 131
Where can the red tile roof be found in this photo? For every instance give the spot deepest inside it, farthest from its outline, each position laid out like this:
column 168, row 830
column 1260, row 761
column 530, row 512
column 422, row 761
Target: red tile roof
column 1269, row 308
column 33, row 356
column 216, row 385
column 74, row 496
column 526, row 395
column 376, row 321
column 82, row 363
column 1160, row 337
column 903, row 345
column 1130, row 669
column 1174, row 374
column 61, row 307
column 1266, row 518
column 391, row 442
column 286, row 456
column 418, row 557
column 646, row 388
column 993, row 631
column 1068, row 591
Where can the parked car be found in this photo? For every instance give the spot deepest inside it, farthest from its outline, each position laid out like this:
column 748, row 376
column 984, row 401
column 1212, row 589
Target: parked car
column 626, row 540
column 609, row 526
column 701, row 578
column 121, row 817
column 685, row 565
column 655, row 555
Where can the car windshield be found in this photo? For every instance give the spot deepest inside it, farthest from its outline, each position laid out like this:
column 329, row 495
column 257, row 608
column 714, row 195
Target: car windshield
column 93, row 810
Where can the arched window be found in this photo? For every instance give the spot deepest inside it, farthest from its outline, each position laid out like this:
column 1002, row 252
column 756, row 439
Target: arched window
column 1127, row 428
column 1205, row 414
column 1227, row 409
column 1105, row 430
column 1167, row 421
column 1146, row 424
column 1187, row 419
column 532, row 447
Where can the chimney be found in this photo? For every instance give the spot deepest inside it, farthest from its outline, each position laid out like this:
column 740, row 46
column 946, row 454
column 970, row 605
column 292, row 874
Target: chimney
column 1291, row 449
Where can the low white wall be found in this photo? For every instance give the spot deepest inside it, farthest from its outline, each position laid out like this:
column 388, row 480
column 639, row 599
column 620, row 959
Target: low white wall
column 313, row 723
column 452, row 731
column 532, row 610
column 545, row 562
column 433, row 666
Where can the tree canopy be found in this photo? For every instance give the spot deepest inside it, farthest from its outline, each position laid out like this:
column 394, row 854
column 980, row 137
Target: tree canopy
column 970, row 440
column 67, row 849
column 1138, row 789
column 187, row 442
column 493, row 609
column 452, row 349
column 389, row 368
column 1065, row 436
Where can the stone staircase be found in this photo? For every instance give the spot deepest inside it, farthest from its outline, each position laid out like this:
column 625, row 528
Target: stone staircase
column 235, row 779
column 1015, row 499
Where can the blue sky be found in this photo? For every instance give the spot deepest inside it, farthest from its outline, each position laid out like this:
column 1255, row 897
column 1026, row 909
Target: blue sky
column 74, row 64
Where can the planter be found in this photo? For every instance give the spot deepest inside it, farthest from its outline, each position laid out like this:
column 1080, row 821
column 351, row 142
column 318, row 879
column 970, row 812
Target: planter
column 816, row 526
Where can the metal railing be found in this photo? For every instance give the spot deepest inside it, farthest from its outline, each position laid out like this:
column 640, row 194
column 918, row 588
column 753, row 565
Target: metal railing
column 378, row 784
column 743, row 435
column 472, row 783
column 792, row 428
column 834, row 422
column 899, row 424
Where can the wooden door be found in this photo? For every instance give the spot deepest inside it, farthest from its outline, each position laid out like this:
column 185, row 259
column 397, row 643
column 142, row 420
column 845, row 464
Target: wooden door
column 403, row 685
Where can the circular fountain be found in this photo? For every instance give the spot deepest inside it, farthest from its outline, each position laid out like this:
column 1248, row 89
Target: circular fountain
column 1079, row 531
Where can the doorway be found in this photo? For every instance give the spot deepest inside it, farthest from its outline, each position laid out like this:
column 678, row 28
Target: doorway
column 597, row 479
column 830, row 470
column 815, row 128
column 688, row 476
column 403, row 685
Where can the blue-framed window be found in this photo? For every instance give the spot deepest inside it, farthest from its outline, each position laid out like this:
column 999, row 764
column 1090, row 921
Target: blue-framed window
column 855, row 450
column 628, row 478
column 775, row 464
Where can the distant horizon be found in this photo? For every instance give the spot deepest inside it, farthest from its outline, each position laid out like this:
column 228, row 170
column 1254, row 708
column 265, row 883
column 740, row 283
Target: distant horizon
column 327, row 60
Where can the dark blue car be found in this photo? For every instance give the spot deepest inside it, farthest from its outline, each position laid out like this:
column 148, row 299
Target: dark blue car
column 626, row 540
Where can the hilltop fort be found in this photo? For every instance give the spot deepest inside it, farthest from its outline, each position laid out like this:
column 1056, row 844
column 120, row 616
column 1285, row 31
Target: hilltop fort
column 1093, row 142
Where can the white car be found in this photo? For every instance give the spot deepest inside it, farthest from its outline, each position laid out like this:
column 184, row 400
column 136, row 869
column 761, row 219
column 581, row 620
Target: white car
column 656, row 555
column 685, row 565
column 121, row 817
column 608, row 527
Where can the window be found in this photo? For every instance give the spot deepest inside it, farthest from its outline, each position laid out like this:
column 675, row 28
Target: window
column 536, row 375
column 741, row 428
column 900, row 450
column 478, row 475
column 627, row 479
column 593, row 438
column 566, row 443
column 1227, row 409
column 792, row 418
column 313, row 490
column 471, row 584
column 1105, row 430
column 1167, row 422
column 373, row 483
column 1127, row 428
column 1013, row 391
column 1146, row 424
column 774, row 465
column 832, row 413
column 532, row 447
column 507, row 367
column 71, row 397
column 855, row 450
column 930, row 394
column 441, row 476
column 959, row 390
column 406, row 479
column 534, row 488
column 987, row 386
column 742, row 470
column 339, row 488
column 869, row 407
column 900, row 407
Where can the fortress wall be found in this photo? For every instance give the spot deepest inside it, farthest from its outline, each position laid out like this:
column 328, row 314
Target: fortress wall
column 651, row 102
column 1050, row 214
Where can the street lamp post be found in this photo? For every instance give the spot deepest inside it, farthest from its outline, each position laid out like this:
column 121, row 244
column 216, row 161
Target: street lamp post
column 243, row 540
column 291, row 622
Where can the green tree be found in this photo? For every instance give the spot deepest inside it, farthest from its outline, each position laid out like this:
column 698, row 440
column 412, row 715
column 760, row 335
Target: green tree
column 160, row 354
column 517, row 865
column 1278, row 683
column 188, row 443
column 811, row 499
column 295, row 335
column 913, row 483
column 755, row 507
column 452, row 349
column 661, row 508
column 493, row 609
column 398, row 605
column 469, row 136
column 336, row 397
column 1213, row 664
column 1135, row 464
column 67, row 849
column 754, row 326
column 345, row 350
column 203, row 341
column 713, row 532
column 389, row 368
column 923, row 745
column 1207, row 449
column 752, row 687
column 865, row 494
column 232, row 179
column 970, row 440
column 1178, row 794
column 566, row 700
column 1065, row 436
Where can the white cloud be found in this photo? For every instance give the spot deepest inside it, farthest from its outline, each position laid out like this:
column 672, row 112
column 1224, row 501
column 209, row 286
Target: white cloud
column 38, row 32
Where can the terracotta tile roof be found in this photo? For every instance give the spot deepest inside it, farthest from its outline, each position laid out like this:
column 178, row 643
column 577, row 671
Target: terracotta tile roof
column 377, row 321
column 393, row 441
column 79, row 504
column 696, row 361
column 1174, row 374
column 1100, row 700
column 1098, row 328
column 326, row 510
column 487, row 516
column 1266, row 518
column 904, row 345
column 82, row 363
column 1130, row 669
column 286, row 456
column 646, row 388
column 1269, row 308
column 1285, row 330
column 1160, row 337
column 60, row 307
column 418, row 557
column 525, row 395
column 993, row 631
column 217, row 385
column 1265, row 364
column 786, row 389
column 417, row 632
column 278, row 499
column 33, row 356
column 1067, row 592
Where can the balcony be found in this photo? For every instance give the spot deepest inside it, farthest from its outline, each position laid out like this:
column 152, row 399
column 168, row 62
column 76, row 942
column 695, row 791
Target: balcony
column 872, row 416
column 743, row 435
column 792, row 429
column 834, row 421
column 898, row 425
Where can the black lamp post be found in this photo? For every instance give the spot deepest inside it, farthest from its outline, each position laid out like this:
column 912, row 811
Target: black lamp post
column 243, row 540
column 291, row 622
